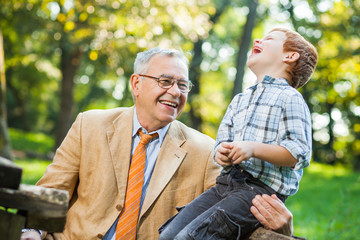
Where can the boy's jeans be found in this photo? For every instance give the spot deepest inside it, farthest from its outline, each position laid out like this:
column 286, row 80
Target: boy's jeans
column 222, row 212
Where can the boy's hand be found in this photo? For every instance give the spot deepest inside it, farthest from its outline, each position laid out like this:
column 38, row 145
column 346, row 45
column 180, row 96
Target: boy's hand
column 229, row 153
column 241, row 151
column 222, row 154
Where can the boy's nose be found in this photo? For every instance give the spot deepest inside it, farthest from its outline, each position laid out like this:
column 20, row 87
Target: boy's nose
column 257, row 41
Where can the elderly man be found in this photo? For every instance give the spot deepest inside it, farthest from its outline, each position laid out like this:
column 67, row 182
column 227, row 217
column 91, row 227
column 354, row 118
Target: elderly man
column 104, row 159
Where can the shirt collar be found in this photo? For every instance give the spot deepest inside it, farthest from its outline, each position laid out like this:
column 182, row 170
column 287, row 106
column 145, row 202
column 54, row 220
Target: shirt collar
column 161, row 132
column 270, row 80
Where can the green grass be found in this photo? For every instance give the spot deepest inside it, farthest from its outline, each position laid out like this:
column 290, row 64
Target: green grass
column 39, row 143
column 326, row 206
column 31, row 142
column 33, row 169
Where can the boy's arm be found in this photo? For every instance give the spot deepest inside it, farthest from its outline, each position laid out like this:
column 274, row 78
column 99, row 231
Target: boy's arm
column 294, row 148
column 295, row 130
column 275, row 154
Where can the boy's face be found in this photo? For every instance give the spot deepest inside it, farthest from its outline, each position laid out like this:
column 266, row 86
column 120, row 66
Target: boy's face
column 267, row 54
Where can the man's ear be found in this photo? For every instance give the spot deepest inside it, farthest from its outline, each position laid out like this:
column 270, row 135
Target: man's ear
column 135, row 83
column 291, row 57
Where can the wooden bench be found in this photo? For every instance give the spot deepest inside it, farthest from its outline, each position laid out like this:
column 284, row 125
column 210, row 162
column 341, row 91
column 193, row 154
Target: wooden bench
column 264, row 234
column 27, row 206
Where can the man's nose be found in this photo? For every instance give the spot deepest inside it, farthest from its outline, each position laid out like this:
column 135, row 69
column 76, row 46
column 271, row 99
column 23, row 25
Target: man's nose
column 174, row 90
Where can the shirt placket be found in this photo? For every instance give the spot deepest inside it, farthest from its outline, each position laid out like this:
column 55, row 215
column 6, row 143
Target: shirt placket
column 254, row 98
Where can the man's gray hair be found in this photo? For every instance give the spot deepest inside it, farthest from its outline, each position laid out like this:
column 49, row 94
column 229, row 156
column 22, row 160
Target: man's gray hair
column 143, row 58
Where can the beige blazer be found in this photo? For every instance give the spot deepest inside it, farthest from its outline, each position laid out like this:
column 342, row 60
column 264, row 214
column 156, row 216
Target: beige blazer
column 92, row 165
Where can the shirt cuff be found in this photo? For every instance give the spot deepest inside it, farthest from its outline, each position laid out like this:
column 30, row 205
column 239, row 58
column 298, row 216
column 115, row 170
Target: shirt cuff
column 32, row 230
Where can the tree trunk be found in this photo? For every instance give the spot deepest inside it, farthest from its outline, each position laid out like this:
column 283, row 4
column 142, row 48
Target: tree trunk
column 20, row 113
column 70, row 60
column 5, row 149
column 195, row 72
column 244, row 47
column 331, row 155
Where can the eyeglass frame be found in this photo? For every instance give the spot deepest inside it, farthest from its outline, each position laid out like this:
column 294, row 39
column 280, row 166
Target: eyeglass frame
column 173, row 81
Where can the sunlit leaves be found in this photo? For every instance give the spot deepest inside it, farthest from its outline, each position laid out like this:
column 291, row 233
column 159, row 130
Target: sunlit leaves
column 110, row 33
column 338, row 73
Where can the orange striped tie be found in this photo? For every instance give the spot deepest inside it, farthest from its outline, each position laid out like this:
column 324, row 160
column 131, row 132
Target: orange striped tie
column 126, row 226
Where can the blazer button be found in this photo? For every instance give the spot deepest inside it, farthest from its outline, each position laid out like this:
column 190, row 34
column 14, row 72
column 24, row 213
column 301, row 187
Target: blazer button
column 100, row 236
column 119, row 207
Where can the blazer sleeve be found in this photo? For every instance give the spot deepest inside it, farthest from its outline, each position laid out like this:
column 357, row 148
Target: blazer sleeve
column 63, row 172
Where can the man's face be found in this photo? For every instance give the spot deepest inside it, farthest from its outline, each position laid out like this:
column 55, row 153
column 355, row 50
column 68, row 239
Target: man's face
column 267, row 54
column 156, row 106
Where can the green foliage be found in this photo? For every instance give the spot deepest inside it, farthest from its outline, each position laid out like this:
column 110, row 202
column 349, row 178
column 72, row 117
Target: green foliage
column 110, row 33
column 337, row 73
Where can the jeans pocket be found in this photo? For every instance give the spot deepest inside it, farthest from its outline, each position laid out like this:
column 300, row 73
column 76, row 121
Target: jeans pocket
column 217, row 226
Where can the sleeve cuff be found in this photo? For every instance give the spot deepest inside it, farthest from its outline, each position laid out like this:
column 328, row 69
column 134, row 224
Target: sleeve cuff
column 32, row 230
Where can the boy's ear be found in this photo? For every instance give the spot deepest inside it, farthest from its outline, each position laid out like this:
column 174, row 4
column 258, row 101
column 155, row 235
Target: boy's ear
column 291, row 57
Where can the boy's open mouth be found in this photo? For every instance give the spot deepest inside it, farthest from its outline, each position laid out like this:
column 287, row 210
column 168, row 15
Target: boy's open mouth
column 256, row 50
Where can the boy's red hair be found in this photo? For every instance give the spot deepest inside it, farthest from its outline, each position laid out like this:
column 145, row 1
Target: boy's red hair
column 304, row 67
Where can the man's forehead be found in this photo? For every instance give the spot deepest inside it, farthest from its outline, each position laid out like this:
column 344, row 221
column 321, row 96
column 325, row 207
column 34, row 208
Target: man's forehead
column 173, row 76
column 165, row 60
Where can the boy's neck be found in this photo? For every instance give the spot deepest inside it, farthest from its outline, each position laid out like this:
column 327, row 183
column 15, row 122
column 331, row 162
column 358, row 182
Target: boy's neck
column 278, row 71
column 260, row 77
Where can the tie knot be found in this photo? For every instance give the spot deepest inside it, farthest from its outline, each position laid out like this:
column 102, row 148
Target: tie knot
column 145, row 138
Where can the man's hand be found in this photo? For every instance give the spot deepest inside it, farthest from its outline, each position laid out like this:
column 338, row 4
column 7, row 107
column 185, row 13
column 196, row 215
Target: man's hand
column 273, row 214
column 30, row 235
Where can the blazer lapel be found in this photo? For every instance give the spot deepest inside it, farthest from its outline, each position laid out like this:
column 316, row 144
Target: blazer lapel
column 170, row 157
column 119, row 140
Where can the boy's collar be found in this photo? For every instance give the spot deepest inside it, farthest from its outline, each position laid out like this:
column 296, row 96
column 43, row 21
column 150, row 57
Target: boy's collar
column 270, row 80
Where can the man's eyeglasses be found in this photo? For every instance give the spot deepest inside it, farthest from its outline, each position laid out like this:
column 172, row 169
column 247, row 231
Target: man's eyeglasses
column 168, row 82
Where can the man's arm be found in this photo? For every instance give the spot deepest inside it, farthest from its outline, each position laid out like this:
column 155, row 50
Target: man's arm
column 273, row 214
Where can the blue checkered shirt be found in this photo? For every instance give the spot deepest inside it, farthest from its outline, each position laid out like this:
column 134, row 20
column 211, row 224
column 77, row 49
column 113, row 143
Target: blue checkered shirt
column 270, row 112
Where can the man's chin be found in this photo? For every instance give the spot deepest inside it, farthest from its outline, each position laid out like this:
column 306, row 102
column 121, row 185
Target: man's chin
column 166, row 118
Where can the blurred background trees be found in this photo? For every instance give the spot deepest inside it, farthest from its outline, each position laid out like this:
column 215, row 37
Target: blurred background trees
column 67, row 56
